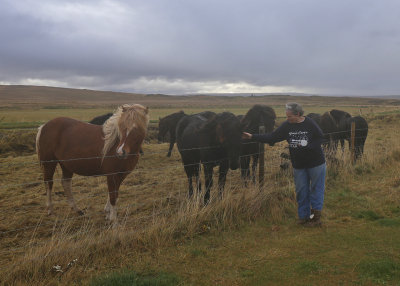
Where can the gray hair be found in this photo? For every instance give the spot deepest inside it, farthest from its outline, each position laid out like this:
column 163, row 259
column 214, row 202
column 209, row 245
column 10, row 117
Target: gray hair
column 294, row 108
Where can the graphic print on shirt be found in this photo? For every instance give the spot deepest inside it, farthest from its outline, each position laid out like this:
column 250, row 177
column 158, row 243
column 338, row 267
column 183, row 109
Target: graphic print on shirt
column 298, row 139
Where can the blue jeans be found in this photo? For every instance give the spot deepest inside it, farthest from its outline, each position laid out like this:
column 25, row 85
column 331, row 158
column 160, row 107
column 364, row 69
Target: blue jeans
column 310, row 187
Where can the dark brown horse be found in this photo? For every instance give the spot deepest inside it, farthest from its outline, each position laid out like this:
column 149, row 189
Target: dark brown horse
column 101, row 119
column 211, row 142
column 330, row 128
column 91, row 150
column 168, row 124
column 255, row 117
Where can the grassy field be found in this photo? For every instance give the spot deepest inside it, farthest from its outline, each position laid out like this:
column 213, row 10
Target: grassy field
column 248, row 238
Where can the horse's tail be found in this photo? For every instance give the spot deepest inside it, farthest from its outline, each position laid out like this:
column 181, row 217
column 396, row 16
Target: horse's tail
column 37, row 141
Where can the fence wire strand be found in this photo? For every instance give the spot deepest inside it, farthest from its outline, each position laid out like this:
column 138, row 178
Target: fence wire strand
column 273, row 157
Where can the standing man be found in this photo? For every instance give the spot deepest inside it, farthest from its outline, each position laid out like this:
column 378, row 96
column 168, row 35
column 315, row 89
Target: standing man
column 304, row 137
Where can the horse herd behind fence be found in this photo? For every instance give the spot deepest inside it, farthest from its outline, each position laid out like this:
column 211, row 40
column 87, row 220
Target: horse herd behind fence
column 110, row 145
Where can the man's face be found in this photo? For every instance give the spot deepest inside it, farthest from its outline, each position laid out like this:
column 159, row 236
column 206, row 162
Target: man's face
column 292, row 118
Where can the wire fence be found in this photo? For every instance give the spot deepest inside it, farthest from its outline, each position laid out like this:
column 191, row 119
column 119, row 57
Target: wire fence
column 177, row 185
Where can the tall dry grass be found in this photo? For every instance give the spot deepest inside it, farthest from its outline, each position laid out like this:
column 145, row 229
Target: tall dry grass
column 154, row 211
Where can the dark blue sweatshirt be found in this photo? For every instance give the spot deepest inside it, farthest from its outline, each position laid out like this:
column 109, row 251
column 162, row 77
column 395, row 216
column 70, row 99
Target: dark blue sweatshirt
column 304, row 140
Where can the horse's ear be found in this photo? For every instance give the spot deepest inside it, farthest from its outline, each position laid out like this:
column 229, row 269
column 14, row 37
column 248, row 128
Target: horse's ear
column 124, row 108
column 147, row 110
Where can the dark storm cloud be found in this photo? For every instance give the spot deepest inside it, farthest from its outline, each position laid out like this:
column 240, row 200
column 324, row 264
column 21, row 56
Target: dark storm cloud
column 348, row 47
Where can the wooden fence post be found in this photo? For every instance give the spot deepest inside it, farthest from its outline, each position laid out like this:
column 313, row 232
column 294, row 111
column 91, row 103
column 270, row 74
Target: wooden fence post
column 261, row 160
column 352, row 147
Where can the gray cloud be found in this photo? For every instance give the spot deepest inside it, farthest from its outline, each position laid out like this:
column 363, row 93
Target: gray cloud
column 318, row 46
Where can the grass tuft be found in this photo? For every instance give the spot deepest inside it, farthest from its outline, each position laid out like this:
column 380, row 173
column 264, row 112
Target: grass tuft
column 389, row 222
column 128, row 277
column 309, row 267
column 379, row 271
column 368, row 215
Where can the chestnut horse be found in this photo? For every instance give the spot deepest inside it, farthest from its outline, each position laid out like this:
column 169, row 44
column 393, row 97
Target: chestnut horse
column 110, row 150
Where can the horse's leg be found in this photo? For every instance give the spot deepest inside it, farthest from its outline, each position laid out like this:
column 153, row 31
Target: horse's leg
column 223, row 170
column 107, row 208
column 335, row 146
column 359, row 147
column 197, row 176
column 172, row 141
column 190, row 191
column 342, row 145
column 189, row 173
column 244, row 167
column 113, row 182
column 171, row 145
column 48, row 173
column 329, row 146
column 208, row 178
column 66, row 182
column 254, row 168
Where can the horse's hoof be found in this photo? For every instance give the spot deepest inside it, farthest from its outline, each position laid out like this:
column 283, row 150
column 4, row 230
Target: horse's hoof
column 80, row 212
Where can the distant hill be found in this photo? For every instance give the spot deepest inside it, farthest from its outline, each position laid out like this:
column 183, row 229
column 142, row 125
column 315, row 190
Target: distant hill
column 21, row 95
column 32, row 95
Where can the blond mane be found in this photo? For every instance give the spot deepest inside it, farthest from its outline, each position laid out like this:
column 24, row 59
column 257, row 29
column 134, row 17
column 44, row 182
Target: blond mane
column 126, row 117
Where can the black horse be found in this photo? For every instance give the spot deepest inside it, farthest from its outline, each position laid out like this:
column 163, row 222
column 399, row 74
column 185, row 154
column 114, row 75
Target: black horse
column 330, row 129
column 168, row 124
column 340, row 118
column 256, row 116
column 336, row 125
column 211, row 142
column 316, row 117
column 99, row 120
column 360, row 136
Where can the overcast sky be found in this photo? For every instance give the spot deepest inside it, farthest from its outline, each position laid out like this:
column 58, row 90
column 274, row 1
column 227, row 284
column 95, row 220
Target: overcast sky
column 341, row 47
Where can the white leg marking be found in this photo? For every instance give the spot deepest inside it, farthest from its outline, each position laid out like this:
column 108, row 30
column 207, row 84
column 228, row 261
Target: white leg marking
column 107, row 208
column 113, row 215
column 49, row 203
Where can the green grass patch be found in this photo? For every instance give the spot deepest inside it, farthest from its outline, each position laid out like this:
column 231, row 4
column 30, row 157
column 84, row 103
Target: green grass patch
column 128, row 277
column 246, row 273
column 389, row 222
column 348, row 200
column 363, row 169
column 20, row 125
column 368, row 215
column 309, row 267
column 198, row 253
column 395, row 210
column 57, row 107
column 379, row 271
